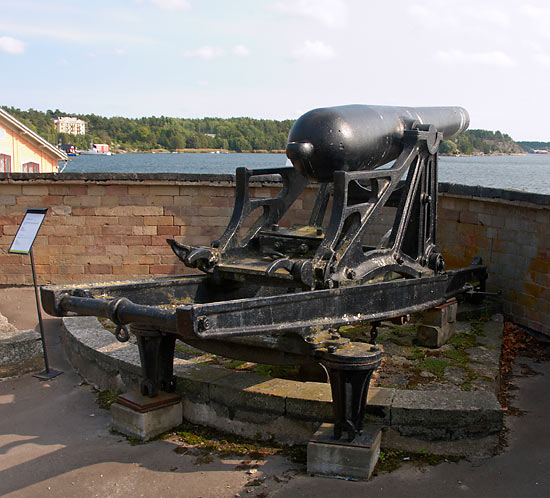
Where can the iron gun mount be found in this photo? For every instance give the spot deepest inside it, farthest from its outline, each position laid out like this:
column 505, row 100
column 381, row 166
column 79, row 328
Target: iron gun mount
column 278, row 295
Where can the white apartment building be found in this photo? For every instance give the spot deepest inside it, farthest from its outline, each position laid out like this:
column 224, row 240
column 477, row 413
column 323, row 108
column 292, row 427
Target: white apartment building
column 74, row 126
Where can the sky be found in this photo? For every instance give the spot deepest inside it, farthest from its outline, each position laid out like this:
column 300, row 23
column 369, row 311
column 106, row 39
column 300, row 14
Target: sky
column 277, row 59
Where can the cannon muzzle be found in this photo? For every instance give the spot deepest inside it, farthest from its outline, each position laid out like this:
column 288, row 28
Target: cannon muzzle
column 359, row 137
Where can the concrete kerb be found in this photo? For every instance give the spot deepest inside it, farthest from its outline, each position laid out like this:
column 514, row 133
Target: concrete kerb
column 20, row 353
column 457, row 423
column 20, row 350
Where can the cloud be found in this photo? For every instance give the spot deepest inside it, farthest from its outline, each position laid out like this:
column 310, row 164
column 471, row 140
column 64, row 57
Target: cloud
column 488, row 15
column 542, row 59
column 462, row 14
column 241, row 51
column 313, row 50
column 76, row 35
column 539, row 16
column 169, row 4
column 205, row 52
column 10, row 45
column 430, row 16
column 331, row 13
column 494, row 58
column 99, row 53
column 538, row 53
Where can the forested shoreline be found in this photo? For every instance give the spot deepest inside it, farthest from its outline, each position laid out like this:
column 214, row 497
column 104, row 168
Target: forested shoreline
column 240, row 134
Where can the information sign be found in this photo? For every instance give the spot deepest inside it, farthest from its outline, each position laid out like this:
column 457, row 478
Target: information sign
column 22, row 244
column 24, row 238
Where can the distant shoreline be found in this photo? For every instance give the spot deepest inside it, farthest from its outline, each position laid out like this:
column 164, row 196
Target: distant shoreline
column 282, row 151
column 490, row 155
column 198, row 151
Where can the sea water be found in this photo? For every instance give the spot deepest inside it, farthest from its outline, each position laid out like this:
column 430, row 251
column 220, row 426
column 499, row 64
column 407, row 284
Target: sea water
column 529, row 173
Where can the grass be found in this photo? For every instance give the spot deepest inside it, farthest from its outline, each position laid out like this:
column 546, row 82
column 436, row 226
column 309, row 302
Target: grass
column 417, row 354
column 458, row 357
column 211, row 441
column 391, row 460
column 189, row 350
column 106, row 398
column 278, row 371
column 434, row 365
column 107, row 325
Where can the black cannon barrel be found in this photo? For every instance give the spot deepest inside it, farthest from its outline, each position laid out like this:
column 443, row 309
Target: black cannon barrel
column 357, row 137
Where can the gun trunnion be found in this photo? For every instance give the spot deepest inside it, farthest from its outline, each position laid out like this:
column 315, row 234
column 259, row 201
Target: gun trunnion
column 278, row 295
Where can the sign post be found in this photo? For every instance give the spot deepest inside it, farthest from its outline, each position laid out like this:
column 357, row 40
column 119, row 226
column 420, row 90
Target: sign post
column 22, row 244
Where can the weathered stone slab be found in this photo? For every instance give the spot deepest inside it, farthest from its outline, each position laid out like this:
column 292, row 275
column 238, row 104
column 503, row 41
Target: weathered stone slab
column 330, row 457
column 378, row 409
column 20, row 351
column 311, row 401
column 194, row 380
column 243, row 390
column 6, row 328
column 438, row 325
column 247, row 404
column 440, row 415
column 469, row 311
column 145, row 425
column 492, row 333
column 479, row 447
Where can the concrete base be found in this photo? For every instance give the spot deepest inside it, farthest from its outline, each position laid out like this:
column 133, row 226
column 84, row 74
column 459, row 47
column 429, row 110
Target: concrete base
column 331, row 457
column 20, row 351
column 138, row 416
column 438, row 325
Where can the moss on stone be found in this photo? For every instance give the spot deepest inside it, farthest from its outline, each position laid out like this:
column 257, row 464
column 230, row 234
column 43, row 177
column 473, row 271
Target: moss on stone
column 106, row 398
column 434, row 365
column 391, row 460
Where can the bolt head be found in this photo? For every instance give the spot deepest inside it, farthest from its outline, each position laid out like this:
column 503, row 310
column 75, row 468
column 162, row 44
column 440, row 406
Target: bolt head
column 350, row 273
column 203, row 323
column 303, row 248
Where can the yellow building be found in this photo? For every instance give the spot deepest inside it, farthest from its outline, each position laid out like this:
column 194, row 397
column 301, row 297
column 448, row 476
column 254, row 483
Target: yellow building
column 23, row 151
column 73, row 126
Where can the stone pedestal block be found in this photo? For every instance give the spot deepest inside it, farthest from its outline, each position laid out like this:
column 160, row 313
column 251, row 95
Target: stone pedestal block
column 142, row 417
column 438, row 325
column 20, row 351
column 331, row 457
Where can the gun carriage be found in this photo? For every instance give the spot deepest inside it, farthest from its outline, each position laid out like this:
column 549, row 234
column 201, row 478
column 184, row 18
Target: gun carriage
column 278, row 295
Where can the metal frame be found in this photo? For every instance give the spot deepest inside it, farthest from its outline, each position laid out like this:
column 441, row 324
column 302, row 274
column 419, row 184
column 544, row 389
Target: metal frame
column 278, row 295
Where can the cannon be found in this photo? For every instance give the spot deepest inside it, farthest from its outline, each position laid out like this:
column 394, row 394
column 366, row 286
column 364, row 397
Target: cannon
column 278, row 295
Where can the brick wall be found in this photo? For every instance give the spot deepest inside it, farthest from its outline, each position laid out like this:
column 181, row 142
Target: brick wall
column 510, row 231
column 110, row 227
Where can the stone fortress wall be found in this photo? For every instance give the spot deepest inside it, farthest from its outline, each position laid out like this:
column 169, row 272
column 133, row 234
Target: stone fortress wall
column 114, row 227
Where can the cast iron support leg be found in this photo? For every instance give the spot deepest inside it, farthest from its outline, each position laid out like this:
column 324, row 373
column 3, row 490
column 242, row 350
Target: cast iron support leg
column 156, row 352
column 350, row 370
column 167, row 348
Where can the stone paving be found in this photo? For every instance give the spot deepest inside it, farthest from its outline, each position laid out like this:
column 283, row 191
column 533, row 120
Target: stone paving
column 468, row 362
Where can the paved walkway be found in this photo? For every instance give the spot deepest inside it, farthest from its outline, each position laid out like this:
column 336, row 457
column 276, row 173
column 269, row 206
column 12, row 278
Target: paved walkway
column 55, row 441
